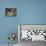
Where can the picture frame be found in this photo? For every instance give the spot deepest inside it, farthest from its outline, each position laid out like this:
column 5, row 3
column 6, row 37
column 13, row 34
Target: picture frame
column 10, row 11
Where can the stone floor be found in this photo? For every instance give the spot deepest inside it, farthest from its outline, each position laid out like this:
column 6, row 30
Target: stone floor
column 34, row 43
column 28, row 43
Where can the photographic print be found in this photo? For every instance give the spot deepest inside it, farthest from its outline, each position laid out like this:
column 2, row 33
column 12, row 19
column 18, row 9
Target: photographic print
column 10, row 11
